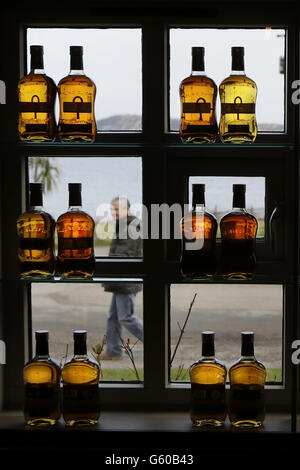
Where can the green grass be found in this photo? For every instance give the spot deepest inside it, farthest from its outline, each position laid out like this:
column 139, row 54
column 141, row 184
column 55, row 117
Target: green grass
column 273, row 375
column 121, row 374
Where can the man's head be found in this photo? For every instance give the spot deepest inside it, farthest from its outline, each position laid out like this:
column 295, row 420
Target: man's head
column 120, row 207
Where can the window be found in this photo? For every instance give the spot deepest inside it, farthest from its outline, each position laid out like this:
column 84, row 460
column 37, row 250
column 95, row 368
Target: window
column 259, row 67
column 116, row 70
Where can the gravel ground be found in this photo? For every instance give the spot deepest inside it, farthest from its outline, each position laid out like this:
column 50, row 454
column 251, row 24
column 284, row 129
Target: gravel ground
column 225, row 309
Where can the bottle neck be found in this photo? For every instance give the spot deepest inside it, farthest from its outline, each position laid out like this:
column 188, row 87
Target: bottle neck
column 198, row 201
column 198, row 67
column 247, row 358
column 75, row 202
column 36, row 200
column 239, row 201
column 76, row 64
column 42, row 349
column 80, row 349
column 199, row 208
column 208, row 358
column 198, row 73
column 37, row 71
column 37, row 60
column 237, row 65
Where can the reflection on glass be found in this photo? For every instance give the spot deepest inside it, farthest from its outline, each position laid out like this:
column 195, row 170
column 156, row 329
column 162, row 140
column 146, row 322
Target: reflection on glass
column 103, row 180
column 227, row 310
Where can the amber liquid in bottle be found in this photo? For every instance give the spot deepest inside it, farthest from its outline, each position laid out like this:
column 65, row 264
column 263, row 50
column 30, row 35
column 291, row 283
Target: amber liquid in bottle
column 35, row 230
column 81, row 397
column 208, row 378
column 238, row 234
column 199, row 228
column 238, row 98
column 36, row 95
column 42, row 386
column 75, row 232
column 77, row 94
column 247, row 380
column 198, row 102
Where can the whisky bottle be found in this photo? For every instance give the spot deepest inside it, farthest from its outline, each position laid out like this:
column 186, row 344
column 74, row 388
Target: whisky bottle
column 198, row 103
column 208, row 378
column 35, row 230
column 36, row 95
column 247, row 380
column 238, row 232
column 80, row 376
column 199, row 228
column 238, row 97
column 75, row 232
column 41, row 378
column 76, row 102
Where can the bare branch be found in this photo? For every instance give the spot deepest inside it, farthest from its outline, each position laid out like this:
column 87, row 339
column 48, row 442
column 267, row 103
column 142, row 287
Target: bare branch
column 183, row 328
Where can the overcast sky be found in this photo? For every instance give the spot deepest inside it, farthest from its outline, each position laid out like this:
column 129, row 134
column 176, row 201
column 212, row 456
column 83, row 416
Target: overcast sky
column 112, row 58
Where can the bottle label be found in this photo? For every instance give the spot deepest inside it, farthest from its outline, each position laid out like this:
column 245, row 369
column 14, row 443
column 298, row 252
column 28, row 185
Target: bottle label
column 77, row 106
column 248, row 394
column 35, row 243
column 75, row 243
column 238, row 108
column 34, row 106
column 238, row 128
column 201, row 128
column 76, row 128
column 198, row 108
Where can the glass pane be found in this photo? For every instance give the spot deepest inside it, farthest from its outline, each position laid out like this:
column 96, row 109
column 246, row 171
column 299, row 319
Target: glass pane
column 111, row 58
column 63, row 308
column 227, row 310
column 218, row 196
column 103, row 179
column 258, row 66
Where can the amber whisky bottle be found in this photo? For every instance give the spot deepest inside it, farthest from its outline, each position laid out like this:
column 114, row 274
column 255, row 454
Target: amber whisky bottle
column 76, row 94
column 80, row 377
column 75, row 232
column 247, row 380
column 36, row 96
column 198, row 246
column 35, row 230
column 238, row 98
column 198, row 103
column 208, row 378
column 238, row 234
column 41, row 378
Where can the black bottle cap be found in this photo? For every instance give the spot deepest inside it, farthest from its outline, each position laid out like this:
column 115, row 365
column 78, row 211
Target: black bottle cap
column 42, row 338
column 198, row 59
column 37, row 57
column 74, row 194
column 239, row 195
column 76, row 61
column 198, row 194
column 36, row 194
column 237, row 54
column 80, row 348
column 247, row 338
column 208, row 343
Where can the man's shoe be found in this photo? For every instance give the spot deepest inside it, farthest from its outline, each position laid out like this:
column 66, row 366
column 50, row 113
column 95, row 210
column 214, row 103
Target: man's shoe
column 107, row 357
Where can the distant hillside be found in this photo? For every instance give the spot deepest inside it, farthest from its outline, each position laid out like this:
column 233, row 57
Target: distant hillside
column 133, row 122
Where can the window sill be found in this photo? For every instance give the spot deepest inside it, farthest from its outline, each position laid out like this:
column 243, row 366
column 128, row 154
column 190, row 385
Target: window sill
column 146, row 434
